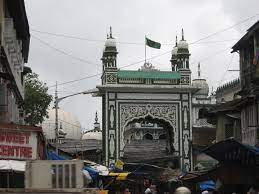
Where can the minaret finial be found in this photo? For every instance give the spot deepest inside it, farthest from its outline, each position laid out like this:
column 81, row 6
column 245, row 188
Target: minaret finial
column 110, row 32
column 96, row 117
column 182, row 34
column 199, row 70
column 176, row 40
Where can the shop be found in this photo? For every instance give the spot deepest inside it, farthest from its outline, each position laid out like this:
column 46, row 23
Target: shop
column 18, row 143
column 236, row 172
column 238, row 169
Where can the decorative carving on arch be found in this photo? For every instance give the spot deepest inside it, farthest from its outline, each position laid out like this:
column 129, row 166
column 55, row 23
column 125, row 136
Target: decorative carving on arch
column 166, row 112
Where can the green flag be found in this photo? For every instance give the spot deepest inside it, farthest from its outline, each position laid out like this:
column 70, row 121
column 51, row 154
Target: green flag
column 153, row 44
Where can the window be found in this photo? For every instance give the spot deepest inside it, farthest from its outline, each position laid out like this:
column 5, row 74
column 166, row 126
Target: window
column 229, row 130
column 60, row 176
column 54, row 175
column 73, row 176
column 67, row 176
column 203, row 112
column 63, row 175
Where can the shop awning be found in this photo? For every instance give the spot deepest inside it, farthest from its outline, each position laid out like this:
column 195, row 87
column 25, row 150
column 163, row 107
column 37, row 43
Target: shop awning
column 12, row 165
column 232, row 151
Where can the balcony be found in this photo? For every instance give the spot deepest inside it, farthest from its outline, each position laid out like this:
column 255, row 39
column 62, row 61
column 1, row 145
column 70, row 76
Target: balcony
column 13, row 50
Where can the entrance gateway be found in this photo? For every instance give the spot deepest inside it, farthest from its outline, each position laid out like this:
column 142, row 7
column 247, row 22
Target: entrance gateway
column 147, row 93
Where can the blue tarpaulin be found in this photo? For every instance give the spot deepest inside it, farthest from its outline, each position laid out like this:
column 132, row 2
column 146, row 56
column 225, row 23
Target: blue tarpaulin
column 207, row 185
column 54, row 156
column 92, row 172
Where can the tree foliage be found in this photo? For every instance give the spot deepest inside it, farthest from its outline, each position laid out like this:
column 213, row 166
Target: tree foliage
column 37, row 99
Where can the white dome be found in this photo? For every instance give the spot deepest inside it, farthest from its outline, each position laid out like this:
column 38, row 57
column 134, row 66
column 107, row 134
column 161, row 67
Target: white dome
column 182, row 44
column 67, row 123
column 202, row 84
column 174, row 51
column 92, row 135
column 110, row 42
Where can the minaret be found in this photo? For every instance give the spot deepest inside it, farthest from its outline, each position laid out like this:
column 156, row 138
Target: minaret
column 174, row 56
column 182, row 34
column 109, row 60
column 199, row 71
column 96, row 123
column 183, row 61
column 183, row 53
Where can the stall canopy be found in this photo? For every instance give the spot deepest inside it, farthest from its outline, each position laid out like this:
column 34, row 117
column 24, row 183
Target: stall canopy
column 12, row 165
column 119, row 176
column 54, row 156
column 232, row 151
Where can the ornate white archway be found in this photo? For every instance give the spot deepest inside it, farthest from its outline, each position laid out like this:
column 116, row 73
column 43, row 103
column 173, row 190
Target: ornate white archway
column 129, row 112
column 122, row 108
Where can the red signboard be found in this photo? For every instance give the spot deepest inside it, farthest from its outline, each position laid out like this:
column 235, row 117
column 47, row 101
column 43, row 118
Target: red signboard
column 18, row 145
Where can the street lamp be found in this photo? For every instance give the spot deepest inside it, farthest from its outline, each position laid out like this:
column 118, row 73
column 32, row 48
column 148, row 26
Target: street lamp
column 57, row 100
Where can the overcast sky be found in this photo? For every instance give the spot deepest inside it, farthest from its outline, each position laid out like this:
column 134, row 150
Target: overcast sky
column 131, row 20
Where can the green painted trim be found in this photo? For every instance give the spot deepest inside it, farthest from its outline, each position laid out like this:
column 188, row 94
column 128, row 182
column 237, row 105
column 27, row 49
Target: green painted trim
column 148, row 74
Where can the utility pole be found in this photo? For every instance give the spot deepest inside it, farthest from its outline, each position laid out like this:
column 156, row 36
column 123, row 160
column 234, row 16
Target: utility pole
column 56, row 117
column 57, row 100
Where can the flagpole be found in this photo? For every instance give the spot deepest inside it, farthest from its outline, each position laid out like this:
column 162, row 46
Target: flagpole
column 145, row 50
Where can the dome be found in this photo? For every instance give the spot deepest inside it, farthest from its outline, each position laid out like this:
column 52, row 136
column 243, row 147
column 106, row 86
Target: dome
column 202, row 84
column 182, row 44
column 67, row 123
column 110, row 42
column 92, row 135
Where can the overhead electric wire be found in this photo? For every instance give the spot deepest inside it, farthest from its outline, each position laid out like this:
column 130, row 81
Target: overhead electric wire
column 223, row 76
column 81, row 38
column 223, row 30
column 119, row 42
column 94, row 75
column 143, row 60
column 195, row 42
column 63, row 52
column 138, row 43
column 87, row 77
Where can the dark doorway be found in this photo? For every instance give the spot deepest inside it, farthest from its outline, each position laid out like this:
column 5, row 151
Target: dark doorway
column 150, row 141
column 148, row 136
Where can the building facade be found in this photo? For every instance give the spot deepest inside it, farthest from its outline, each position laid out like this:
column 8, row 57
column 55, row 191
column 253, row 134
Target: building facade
column 248, row 49
column 228, row 91
column 227, row 111
column 148, row 94
column 14, row 48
